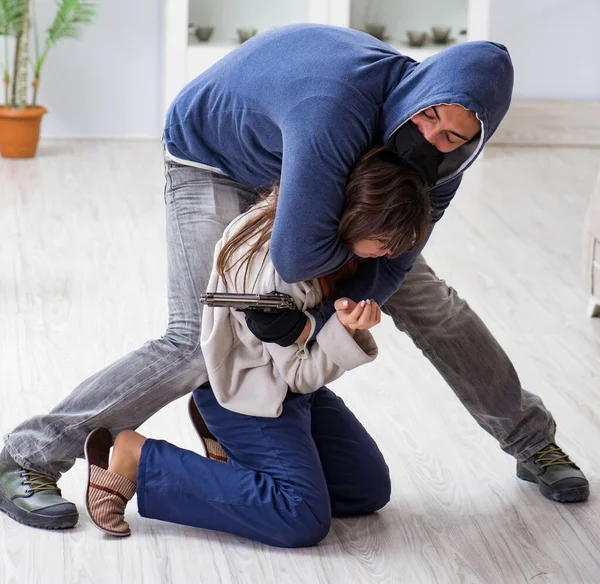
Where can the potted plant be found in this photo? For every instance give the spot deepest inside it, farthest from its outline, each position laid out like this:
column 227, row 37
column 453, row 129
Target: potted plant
column 20, row 116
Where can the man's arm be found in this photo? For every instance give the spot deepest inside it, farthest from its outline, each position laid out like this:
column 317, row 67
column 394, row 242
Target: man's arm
column 380, row 278
column 322, row 140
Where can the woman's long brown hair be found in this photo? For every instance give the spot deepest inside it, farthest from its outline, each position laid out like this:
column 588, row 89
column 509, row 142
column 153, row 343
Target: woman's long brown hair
column 384, row 200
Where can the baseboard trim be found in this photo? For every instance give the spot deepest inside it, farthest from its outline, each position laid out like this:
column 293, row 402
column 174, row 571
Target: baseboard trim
column 550, row 123
column 527, row 123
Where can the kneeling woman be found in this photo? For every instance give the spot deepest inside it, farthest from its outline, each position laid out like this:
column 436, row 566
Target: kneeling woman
column 293, row 455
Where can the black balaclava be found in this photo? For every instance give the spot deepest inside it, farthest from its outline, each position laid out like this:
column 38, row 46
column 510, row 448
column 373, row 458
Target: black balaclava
column 417, row 152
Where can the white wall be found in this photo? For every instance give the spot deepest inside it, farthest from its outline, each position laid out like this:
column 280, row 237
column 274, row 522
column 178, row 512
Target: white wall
column 108, row 83
column 555, row 46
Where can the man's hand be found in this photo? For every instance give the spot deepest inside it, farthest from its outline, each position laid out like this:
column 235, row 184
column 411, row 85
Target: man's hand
column 361, row 316
column 283, row 327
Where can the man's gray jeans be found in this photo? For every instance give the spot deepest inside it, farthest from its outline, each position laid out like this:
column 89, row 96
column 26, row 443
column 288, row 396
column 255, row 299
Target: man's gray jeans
column 199, row 205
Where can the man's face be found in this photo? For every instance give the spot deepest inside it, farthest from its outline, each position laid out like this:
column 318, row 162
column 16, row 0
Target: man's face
column 447, row 127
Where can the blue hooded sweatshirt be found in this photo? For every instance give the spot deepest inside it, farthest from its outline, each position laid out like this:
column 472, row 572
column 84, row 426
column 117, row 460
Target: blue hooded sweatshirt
column 301, row 104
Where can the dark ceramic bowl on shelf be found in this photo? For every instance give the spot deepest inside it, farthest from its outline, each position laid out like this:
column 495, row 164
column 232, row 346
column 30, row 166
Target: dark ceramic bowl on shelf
column 416, row 38
column 441, row 34
column 203, row 33
column 246, row 33
column 377, row 31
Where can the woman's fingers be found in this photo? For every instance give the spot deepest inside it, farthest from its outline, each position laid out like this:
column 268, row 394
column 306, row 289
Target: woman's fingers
column 365, row 319
column 345, row 305
column 357, row 312
column 360, row 317
column 370, row 317
column 364, row 315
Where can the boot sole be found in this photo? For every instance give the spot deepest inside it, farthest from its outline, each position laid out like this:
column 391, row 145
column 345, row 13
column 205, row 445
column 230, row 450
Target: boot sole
column 574, row 495
column 35, row 520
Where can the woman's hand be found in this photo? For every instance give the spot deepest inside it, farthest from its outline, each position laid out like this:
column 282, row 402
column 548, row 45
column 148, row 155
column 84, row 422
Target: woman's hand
column 361, row 316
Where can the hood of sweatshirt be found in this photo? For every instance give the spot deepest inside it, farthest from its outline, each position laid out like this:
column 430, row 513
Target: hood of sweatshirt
column 476, row 75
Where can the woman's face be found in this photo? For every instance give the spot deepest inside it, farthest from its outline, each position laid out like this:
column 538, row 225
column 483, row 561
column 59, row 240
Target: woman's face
column 369, row 248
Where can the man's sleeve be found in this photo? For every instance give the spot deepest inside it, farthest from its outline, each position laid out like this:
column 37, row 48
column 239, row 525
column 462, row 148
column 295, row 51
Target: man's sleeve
column 322, row 140
column 380, row 278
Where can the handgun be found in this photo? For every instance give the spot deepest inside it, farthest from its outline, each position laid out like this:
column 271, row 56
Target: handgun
column 265, row 302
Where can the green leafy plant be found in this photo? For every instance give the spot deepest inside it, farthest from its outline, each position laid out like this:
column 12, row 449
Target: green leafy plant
column 17, row 19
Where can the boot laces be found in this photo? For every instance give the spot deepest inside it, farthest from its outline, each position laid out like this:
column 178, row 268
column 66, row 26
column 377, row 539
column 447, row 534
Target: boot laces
column 552, row 455
column 38, row 481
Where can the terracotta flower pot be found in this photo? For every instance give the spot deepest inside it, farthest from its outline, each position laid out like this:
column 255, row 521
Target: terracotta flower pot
column 20, row 131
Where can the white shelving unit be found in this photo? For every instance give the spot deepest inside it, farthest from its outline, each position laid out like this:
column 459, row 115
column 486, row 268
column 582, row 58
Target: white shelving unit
column 401, row 16
column 186, row 57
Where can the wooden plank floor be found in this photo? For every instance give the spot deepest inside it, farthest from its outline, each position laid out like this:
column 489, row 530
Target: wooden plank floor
column 82, row 281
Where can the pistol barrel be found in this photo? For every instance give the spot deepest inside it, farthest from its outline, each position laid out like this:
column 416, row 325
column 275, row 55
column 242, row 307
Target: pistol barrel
column 243, row 301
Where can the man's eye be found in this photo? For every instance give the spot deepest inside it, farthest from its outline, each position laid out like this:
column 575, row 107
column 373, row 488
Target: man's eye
column 449, row 140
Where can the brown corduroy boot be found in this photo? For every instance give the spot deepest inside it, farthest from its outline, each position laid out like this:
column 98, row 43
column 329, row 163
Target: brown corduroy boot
column 212, row 446
column 214, row 450
column 107, row 493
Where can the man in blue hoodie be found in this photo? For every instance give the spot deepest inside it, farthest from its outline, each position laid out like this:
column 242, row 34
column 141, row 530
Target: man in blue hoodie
column 301, row 104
